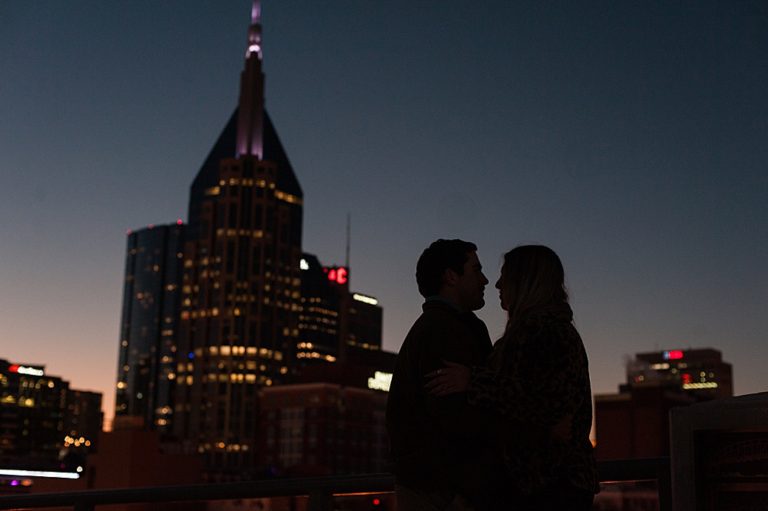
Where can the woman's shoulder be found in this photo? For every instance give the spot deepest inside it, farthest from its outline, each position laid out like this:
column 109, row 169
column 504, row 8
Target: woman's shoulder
column 552, row 321
column 549, row 335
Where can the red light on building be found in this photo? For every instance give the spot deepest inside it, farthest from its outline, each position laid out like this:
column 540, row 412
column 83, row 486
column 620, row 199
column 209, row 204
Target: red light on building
column 686, row 377
column 14, row 368
column 376, row 502
column 338, row 275
column 673, row 355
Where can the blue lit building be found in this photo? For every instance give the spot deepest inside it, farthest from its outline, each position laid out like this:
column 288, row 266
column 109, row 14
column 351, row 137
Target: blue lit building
column 149, row 327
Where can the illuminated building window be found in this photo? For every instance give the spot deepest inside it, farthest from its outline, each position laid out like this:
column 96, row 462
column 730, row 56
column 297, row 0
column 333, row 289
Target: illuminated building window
column 700, row 385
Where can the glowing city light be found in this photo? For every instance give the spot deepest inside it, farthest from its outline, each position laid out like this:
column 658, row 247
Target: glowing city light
column 701, row 385
column 673, row 355
column 365, row 299
column 39, row 473
column 380, row 381
column 338, row 275
column 31, row 371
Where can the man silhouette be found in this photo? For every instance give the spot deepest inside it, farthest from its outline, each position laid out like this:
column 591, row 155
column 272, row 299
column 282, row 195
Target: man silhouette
column 438, row 445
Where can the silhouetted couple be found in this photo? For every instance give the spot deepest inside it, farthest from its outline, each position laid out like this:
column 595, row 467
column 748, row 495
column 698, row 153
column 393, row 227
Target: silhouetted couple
column 481, row 426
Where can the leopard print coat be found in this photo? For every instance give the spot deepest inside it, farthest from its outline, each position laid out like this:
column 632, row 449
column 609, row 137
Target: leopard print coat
column 537, row 381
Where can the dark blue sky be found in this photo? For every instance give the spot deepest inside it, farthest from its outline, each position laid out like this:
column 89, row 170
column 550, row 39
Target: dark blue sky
column 631, row 137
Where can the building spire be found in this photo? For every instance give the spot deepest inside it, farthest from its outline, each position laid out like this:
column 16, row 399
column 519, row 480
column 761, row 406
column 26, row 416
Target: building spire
column 254, row 31
column 250, row 121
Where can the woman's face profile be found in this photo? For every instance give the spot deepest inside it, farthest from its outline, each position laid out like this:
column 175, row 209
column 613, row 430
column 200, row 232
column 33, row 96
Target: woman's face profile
column 503, row 292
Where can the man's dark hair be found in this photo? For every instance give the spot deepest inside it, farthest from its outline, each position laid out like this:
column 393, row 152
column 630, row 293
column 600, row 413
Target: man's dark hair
column 438, row 257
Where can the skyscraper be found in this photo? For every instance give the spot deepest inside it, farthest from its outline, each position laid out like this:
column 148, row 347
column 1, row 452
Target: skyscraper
column 148, row 328
column 241, row 285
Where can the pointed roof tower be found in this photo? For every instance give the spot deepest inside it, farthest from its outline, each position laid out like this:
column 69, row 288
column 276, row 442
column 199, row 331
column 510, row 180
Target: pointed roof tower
column 250, row 121
column 248, row 133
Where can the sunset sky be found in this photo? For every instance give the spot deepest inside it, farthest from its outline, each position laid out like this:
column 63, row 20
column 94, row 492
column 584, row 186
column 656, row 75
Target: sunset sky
column 631, row 137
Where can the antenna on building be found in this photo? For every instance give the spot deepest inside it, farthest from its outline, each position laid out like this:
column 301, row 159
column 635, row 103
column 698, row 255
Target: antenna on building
column 349, row 236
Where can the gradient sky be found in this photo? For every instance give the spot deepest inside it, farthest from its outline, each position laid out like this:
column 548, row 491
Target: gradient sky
column 631, row 137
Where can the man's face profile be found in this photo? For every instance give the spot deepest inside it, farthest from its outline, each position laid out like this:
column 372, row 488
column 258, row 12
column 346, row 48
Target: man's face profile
column 471, row 284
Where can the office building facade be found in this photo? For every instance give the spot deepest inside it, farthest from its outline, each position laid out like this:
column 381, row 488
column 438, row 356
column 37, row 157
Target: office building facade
column 241, row 283
column 149, row 327
column 323, row 428
column 83, row 421
column 701, row 372
column 38, row 415
column 634, row 423
column 335, row 323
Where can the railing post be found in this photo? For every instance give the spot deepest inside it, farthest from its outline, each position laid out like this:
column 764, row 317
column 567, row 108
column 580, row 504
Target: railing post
column 320, row 501
column 664, row 485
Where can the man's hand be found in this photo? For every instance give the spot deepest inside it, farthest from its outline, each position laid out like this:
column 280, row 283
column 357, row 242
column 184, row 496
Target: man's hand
column 451, row 379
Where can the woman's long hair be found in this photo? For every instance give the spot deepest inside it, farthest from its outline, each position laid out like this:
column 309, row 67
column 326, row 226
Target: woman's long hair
column 532, row 279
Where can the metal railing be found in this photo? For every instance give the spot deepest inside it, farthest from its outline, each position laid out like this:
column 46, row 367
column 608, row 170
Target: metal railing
column 320, row 490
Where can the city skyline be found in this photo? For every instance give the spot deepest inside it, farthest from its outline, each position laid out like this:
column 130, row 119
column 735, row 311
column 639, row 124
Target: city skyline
column 643, row 169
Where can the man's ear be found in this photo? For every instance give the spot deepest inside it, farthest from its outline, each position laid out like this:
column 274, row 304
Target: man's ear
column 450, row 277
